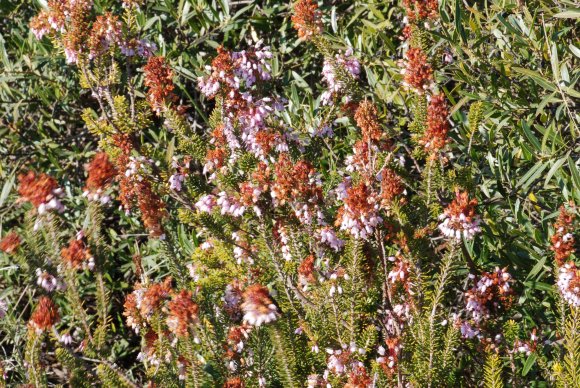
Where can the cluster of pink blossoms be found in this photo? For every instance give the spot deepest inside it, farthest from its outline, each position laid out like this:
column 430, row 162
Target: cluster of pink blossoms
column 247, row 118
column 569, row 283
column 334, row 78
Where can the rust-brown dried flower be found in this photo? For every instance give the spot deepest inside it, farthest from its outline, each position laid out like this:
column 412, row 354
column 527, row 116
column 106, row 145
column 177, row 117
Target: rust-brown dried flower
column 418, row 73
column 159, row 80
column 306, row 271
column 182, row 311
column 76, row 255
column 295, row 181
column 35, row 188
column 421, row 9
column 307, row 19
column 435, row 136
column 101, row 172
column 234, row 382
column 10, row 243
column 45, row 315
column 366, row 118
column 154, row 296
column 391, row 186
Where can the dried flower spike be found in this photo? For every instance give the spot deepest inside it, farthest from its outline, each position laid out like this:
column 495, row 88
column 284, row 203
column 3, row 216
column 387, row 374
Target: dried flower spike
column 435, row 136
column 418, row 73
column 45, row 316
column 10, row 243
column 41, row 190
column 159, row 80
column 366, row 119
column 307, row 19
column 182, row 312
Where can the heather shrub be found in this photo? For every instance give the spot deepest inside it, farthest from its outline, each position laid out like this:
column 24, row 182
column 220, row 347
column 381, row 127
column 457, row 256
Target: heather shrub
column 289, row 194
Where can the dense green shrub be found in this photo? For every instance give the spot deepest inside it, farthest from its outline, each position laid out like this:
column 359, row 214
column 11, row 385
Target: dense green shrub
column 265, row 193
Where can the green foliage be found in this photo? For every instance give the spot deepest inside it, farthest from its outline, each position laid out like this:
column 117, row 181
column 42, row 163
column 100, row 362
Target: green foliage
column 492, row 371
column 509, row 72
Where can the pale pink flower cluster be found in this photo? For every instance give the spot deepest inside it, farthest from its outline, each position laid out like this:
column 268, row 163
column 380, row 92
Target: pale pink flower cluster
column 140, row 47
column 569, row 283
column 468, row 331
column 285, row 244
column 361, row 227
column 176, row 181
column 230, row 205
column 250, row 68
column 247, row 70
column 97, row 195
column 52, row 202
column 335, row 85
column 49, row 282
column 467, row 229
column 396, row 318
column 341, row 361
column 206, row 203
column 388, row 357
column 399, row 272
column 256, row 316
column 328, row 236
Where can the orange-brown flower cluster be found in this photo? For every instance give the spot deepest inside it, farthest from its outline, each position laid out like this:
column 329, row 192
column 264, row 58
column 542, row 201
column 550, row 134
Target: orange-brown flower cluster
column 100, row 173
column 152, row 209
column 135, row 186
column 258, row 306
column 307, row 19
column 418, row 73
column 36, row 188
column 306, row 271
column 359, row 378
column 182, row 312
column 563, row 239
column 295, row 181
column 159, row 80
column 421, row 9
column 41, row 190
column 45, row 316
column 460, row 218
column 234, row 382
column 154, row 296
column 10, row 243
column 366, row 118
column 77, row 255
column 391, row 186
column 435, row 136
